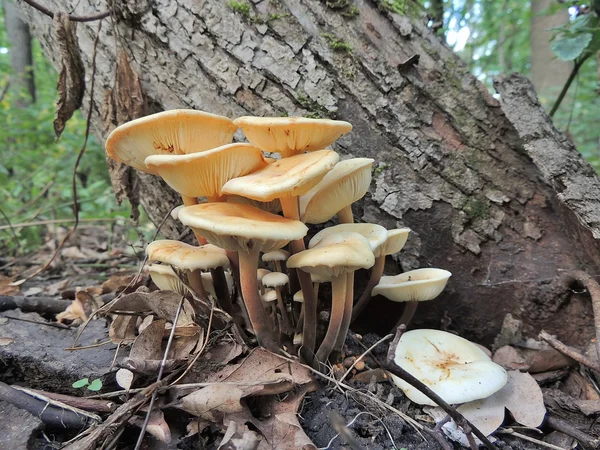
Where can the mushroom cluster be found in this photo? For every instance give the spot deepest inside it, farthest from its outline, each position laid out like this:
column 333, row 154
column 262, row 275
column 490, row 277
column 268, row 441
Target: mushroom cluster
column 246, row 202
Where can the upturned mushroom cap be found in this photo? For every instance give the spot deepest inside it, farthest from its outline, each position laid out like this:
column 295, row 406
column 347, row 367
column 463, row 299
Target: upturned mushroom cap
column 346, row 183
column 187, row 257
column 177, row 132
column 298, row 297
column 239, row 227
column 455, row 369
column 413, row 286
column 175, row 212
column 276, row 255
column 275, row 279
column 260, row 273
column 297, row 339
column 269, row 296
column 291, row 135
column 165, row 278
column 204, row 174
column 293, row 176
column 335, row 254
column 375, row 234
column 394, row 242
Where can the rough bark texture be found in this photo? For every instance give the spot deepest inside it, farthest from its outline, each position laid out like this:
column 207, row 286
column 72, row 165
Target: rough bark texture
column 449, row 163
column 21, row 59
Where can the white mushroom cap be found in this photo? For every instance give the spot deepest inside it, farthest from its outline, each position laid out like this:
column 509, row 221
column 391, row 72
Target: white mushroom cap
column 287, row 177
column 395, row 241
column 275, row 279
column 207, row 283
column 260, row 273
column 187, row 257
column 276, row 255
column 299, row 297
column 177, row 132
column 204, row 174
column 165, row 278
column 298, row 339
column 413, row 286
column 269, row 296
column 335, row 254
column 175, row 211
column 240, row 227
column 318, row 278
column 452, row 367
column 375, row 234
column 346, row 183
column 291, row 135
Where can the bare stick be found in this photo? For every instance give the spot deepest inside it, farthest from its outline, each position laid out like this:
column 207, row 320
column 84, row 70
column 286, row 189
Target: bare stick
column 50, row 14
column 569, row 351
column 558, row 424
column 52, row 221
column 87, row 404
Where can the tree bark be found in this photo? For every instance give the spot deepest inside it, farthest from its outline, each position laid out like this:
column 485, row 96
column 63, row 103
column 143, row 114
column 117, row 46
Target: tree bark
column 449, row 163
column 21, row 58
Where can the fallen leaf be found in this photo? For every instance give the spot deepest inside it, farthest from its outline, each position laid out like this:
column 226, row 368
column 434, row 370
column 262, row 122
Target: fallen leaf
column 6, row 288
column 57, row 287
column 122, row 329
column 116, row 283
column 124, row 378
column 6, row 341
column 212, row 402
column 523, row 398
column 72, row 253
column 239, row 437
column 148, row 345
column 157, row 426
column 73, row 312
column 163, row 303
column 532, row 361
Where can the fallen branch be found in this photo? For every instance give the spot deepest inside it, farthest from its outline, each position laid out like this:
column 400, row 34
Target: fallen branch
column 42, row 305
column 569, row 351
column 86, row 404
column 458, row 418
column 556, row 423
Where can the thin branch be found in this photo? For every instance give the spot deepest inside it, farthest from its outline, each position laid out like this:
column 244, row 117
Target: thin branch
column 12, row 229
column 47, row 12
column 569, row 351
column 567, row 85
column 52, row 221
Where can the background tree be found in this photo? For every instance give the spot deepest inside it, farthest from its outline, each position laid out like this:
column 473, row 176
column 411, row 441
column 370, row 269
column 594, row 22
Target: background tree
column 450, row 164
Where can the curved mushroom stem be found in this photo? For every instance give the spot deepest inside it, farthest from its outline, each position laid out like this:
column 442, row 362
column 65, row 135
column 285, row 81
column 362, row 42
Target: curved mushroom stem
column 190, row 201
column 338, row 300
column 287, row 325
column 345, row 215
column 407, row 315
column 256, row 312
column 290, row 208
column 349, row 299
column 221, row 289
column 374, row 280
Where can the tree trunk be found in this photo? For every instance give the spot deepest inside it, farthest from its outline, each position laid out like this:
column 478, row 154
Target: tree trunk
column 548, row 73
column 21, row 59
column 449, row 163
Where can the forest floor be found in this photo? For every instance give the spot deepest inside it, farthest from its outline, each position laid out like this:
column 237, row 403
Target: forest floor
column 39, row 352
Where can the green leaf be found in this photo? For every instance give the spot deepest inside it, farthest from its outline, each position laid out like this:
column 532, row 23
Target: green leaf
column 569, row 48
column 95, row 385
column 80, row 383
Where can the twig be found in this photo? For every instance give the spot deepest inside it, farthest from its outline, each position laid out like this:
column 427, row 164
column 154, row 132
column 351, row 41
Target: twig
column 558, row 424
column 40, row 395
column 458, row 418
column 361, row 357
column 569, row 351
column 15, row 238
column 38, row 322
column 44, row 305
column 86, row 404
column 51, row 221
column 567, row 85
column 4, row 90
column 46, row 11
column 160, row 374
column 79, row 157
column 527, row 438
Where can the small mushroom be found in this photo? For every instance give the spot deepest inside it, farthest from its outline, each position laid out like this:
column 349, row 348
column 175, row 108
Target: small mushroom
column 291, row 135
column 277, row 280
column 412, row 287
column 276, row 257
column 165, row 278
column 455, row 369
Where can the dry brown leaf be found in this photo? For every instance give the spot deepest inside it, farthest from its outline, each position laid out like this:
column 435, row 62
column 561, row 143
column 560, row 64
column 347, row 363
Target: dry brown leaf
column 72, row 253
column 6, row 341
column 55, row 288
column 523, row 398
column 122, row 330
column 74, row 311
column 163, row 303
column 212, row 402
column 5, row 286
column 71, row 79
column 183, row 345
column 117, row 283
column 148, row 345
column 532, row 361
column 157, row 426
column 239, row 437
column 124, row 378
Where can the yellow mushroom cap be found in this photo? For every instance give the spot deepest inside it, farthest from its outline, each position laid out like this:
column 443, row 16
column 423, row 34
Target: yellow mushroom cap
column 375, row 234
column 346, row 183
column 273, row 206
column 175, row 212
column 240, row 227
column 178, row 132
column 204, row 174
column 187, row 257
column 395, row 241
column 298, row 297
column 455, row 369
column 293, row 176
column 165, row 278
column 291, row 135
column 413, row 286
column 334, row 255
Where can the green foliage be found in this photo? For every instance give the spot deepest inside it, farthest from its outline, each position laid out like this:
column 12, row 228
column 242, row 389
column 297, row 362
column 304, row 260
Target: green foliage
column 81, row 383
column 242, row 8
column 36, row 170
column 94, row 386
column 581, row 37
column 336, row 43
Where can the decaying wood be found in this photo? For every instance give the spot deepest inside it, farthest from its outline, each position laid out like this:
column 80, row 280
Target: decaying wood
column 449, row 163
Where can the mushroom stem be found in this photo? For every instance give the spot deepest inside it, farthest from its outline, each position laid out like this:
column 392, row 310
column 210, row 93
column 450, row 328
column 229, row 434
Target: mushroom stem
column 407, row 315
column 338, row 300
column 287, row 325
column 365, row 298
column 222, row 290
column 191, row 201
column 349, row 299
column 291, row 210
column 345, row 215
column 256, row 312
column 195, row 279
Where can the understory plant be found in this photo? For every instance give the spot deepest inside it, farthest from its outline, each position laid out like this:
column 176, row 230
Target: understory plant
column 245, row 201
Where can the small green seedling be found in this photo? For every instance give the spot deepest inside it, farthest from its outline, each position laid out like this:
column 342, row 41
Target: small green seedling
column 94, row 386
